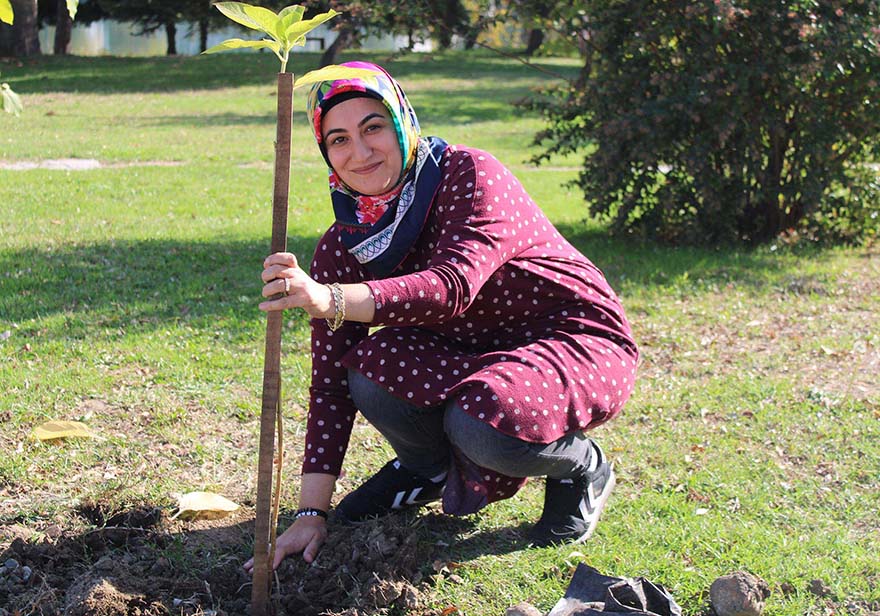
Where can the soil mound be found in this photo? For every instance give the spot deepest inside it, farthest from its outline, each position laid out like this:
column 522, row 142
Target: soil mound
column 148, row 565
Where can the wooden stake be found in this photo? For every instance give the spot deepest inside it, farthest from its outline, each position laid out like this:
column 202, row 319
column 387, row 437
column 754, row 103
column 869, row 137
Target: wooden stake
column 263, row 528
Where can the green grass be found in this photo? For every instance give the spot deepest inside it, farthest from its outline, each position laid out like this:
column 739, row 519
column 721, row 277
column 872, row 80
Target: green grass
column 128, row 299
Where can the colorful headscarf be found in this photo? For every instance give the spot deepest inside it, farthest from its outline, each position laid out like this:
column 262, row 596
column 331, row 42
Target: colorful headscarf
column 379, row 230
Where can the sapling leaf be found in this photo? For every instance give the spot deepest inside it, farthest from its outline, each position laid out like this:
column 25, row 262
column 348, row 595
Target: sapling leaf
column 298, row 30
column 253, row 17
column 292, row 13
column 333, row 72
column 287, row 17
column 6, row 15
column 243, row 44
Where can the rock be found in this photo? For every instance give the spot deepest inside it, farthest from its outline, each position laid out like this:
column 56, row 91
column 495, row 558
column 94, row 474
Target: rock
column 738, row 594
column 25, row 573
column 11, row 564
column 523, row 609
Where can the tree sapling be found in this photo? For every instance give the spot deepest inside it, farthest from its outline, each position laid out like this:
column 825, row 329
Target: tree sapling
column 284, row 30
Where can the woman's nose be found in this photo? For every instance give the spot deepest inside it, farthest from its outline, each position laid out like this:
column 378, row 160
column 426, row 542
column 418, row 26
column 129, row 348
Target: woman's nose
column 362, row 149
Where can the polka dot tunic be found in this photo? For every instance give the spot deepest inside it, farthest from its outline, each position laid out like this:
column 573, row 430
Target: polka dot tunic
column 492, row 308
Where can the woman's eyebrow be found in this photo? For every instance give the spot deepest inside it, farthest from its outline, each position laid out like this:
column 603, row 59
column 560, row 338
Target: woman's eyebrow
column 366, row 119
column 370, row 117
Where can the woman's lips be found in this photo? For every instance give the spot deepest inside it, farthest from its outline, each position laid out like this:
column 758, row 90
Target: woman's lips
column 367, row 170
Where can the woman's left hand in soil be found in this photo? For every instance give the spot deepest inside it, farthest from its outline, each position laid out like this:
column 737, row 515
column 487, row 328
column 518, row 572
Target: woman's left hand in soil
column 307, row 534
column 283, row 276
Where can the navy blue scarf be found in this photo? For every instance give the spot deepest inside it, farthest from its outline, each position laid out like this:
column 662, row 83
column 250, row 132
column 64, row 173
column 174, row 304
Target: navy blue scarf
column 383, row 245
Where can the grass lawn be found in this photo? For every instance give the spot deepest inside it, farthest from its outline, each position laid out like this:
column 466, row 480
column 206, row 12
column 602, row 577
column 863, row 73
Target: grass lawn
column 128, row 297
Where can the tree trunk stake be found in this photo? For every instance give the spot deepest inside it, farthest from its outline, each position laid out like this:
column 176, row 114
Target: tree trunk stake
column 264, row 527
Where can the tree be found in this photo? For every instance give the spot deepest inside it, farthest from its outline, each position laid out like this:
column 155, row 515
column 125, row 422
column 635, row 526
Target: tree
column 20, row 39
column 9, row 100
column 564, row 20
column 61, row 13
column 726, row 121
column 149, row 16
column 439, row 20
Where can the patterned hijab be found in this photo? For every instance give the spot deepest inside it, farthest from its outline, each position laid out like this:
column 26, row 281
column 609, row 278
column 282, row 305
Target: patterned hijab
column 379, row 230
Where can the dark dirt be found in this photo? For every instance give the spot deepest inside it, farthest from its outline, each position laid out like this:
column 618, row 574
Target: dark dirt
column 141, row 563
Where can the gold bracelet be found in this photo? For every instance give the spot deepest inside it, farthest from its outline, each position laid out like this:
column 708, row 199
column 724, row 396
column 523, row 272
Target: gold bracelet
column 339, row 303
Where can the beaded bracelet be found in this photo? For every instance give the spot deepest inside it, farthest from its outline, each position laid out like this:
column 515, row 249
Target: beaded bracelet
column 339, row 303
column 310, row 512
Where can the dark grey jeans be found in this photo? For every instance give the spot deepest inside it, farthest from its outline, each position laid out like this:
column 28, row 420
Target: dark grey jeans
column 421, row 438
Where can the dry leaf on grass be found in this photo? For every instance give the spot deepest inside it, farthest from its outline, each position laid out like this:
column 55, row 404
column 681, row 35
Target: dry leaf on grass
column 206, row 505
column 62, row 429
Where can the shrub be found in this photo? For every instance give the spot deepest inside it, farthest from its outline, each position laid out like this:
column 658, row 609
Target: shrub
column 715, row 121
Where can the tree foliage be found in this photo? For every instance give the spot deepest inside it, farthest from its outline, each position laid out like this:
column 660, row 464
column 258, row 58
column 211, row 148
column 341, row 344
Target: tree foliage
column 726, row 120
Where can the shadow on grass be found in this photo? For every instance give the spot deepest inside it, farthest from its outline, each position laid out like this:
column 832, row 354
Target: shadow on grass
column 118, row 75
column 147, row 284
column 213, row 120
column 136, row 284
column 461, row 541
column 634, row 266
column 115, row 75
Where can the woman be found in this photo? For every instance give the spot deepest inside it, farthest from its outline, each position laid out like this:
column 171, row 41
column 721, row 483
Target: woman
column 500, row 343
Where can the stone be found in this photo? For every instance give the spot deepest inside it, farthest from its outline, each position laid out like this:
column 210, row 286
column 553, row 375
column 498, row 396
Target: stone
column 738, row 594
column 522, row 609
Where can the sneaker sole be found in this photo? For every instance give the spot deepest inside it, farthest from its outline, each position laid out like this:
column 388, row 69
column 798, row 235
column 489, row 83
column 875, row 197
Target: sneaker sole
column 600, row 506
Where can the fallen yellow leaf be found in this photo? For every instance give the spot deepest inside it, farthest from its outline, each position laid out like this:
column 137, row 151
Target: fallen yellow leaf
column 204, row 505
column 62, row 429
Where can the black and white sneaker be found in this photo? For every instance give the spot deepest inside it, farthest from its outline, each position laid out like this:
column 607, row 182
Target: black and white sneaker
column 393, row 488
column 572, row 506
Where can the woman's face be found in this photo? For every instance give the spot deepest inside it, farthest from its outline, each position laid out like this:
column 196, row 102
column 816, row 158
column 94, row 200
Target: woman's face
column 362, row 145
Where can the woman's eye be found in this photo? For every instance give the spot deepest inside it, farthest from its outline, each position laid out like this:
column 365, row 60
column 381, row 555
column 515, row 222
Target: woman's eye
column 337, row 140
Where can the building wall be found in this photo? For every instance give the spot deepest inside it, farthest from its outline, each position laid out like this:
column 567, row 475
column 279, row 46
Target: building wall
column 112, row 38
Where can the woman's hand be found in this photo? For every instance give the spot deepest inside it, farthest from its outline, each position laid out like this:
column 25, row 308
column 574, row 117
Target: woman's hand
column 282, row 274
column 307, row 534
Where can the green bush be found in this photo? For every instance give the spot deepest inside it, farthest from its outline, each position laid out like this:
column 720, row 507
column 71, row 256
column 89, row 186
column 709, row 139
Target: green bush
column 716, row 121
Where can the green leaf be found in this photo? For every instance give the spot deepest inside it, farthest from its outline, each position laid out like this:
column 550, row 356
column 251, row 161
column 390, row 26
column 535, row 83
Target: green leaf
column 9, row 100
column 242, row 44
column 332, row 73
column 72, row 5
column 289, row 16
column 253, row 17
column 294, row 9
column 296, row 32
column 6, row 12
